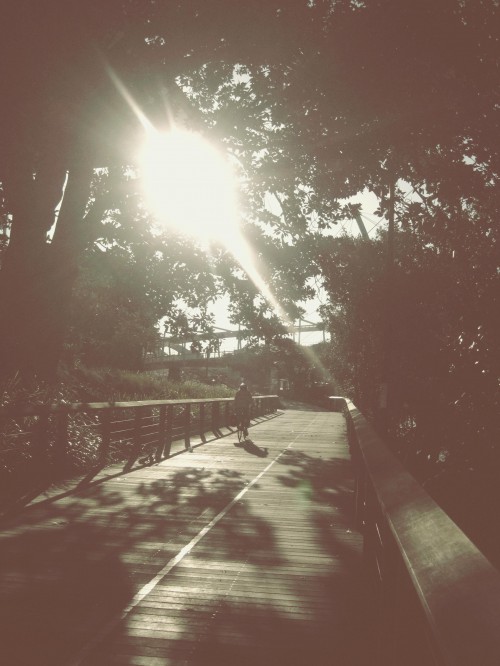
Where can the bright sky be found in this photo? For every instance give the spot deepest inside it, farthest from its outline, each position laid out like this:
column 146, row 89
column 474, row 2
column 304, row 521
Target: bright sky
column 189, row 185
column 306, row 338
column 369, row 204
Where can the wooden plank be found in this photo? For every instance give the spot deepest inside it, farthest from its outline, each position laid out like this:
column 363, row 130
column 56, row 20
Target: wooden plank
column 273, row 577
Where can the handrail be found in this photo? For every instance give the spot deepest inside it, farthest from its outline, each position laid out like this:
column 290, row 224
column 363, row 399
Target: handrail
column 438, row 596
column 48, row 438
column 33, row 410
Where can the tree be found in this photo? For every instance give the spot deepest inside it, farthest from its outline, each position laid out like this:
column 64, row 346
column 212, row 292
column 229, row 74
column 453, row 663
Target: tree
column 50, row 72
column 323, row 115
column 131, row 277
column 66, row 113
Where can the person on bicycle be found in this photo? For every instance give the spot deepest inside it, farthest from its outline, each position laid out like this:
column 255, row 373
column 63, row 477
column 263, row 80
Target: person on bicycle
column 242, row 403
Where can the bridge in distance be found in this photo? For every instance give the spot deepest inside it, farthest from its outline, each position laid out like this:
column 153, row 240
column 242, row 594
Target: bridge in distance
column 175, row 350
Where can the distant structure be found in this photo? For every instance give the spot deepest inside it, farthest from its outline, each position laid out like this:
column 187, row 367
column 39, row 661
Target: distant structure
column 175, row 346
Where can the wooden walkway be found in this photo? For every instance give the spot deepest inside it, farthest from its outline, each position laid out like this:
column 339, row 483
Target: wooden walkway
column 229, row 554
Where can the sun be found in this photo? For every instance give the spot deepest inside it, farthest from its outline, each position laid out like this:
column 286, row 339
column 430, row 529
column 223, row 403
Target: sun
column 189, row 185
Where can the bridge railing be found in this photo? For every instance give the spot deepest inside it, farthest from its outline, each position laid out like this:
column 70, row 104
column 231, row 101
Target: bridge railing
column 151, row 358
column 49, row 442
column 437, row 596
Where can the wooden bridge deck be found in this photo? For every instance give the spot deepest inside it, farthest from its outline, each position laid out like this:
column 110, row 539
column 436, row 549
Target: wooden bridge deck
column 225, row 555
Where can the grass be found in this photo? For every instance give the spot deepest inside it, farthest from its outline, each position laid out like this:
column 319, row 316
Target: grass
column 115, row 385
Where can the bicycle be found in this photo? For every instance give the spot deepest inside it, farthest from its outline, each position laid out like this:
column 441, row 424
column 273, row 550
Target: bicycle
column 242, row 429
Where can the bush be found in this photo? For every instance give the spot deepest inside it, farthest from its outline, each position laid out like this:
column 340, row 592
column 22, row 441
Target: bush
column 19, row 474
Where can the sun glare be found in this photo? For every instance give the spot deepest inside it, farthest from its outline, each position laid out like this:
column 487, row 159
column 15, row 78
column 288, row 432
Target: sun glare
column 189, row 185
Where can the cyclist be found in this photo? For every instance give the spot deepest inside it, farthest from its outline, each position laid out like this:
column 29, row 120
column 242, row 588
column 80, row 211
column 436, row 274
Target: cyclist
column 242, row 403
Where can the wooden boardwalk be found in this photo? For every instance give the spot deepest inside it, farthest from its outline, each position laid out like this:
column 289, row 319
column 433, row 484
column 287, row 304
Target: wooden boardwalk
column 228, row 554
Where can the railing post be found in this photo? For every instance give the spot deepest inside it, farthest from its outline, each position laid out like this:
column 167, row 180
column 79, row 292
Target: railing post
column 215, row 418
column 168, row 431
column 187, row 426
column 202, row 422
column 105, row 437
column 136, row 442
column 359, row 470
column 370, row 536
column 161, row 433
column 359, row 497
column 393, row 610
column 227, row 414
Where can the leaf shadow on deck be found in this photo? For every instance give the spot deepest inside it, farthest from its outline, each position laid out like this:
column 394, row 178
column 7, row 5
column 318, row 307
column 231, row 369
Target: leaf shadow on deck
column 270, row 614
column 69, row 567
column 324, row 481
column 272, row 637
column 327, row 488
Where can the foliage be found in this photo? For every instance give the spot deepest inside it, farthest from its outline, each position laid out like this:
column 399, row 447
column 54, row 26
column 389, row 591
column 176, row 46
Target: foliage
column 302, row 103
column 430, row 334
column 110, row 384
column 131, row 276
column 87, row 384
column 79, row 119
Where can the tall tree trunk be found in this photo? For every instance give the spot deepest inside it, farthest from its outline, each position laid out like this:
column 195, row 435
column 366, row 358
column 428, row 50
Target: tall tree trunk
column 37, row 276
column 66, row 249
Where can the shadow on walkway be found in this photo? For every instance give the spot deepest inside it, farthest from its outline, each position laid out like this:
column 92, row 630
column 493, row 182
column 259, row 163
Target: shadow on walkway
column 70, row 566
column 250, row 447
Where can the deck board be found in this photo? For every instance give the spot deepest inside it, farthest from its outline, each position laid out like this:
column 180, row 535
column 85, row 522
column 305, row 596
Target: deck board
column 272, row 578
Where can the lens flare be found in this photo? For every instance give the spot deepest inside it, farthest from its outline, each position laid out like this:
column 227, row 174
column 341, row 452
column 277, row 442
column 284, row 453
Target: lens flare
column 190, row 184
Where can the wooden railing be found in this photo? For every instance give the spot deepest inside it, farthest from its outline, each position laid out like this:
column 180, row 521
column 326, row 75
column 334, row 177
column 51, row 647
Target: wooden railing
column 437, row 596
column 54, row 440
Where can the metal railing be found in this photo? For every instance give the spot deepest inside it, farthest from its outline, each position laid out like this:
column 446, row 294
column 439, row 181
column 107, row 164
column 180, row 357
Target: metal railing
column 437, row 597
column 54, row 440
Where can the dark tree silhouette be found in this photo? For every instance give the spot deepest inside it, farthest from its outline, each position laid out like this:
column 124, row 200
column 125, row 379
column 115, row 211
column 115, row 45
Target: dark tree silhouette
column 335, row 97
